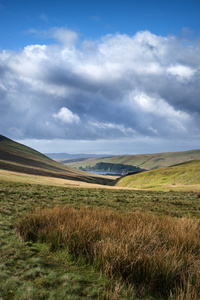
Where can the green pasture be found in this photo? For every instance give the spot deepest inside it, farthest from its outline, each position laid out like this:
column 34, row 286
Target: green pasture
column 184, row 176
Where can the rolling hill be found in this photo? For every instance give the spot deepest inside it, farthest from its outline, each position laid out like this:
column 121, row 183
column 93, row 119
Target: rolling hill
column 142, row 161
column 177, row 176
column 58, row 156
column 19, row 158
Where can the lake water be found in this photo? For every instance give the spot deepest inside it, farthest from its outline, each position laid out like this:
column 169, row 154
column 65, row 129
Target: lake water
column 106, row 173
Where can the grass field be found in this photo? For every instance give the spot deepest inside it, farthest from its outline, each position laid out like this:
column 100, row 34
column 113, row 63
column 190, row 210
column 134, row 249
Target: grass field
column 34, row 271
column 181, row 177
column 48, row 180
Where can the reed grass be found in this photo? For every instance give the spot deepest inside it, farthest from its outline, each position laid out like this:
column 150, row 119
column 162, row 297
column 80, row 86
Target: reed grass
column 161, row 254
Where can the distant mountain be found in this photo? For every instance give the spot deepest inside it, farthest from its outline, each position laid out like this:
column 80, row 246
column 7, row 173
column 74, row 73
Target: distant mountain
column 142, row 161
column 19, row 158
column 71, row 156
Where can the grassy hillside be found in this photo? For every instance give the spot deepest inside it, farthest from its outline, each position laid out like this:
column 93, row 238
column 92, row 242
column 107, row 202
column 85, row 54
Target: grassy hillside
column 19, row 158
column 185, row 174
column 143, row 161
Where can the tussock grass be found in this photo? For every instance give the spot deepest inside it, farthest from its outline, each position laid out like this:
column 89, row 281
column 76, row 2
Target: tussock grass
column 161, row 254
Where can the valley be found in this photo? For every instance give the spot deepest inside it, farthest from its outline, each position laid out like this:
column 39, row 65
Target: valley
column 66, row 234
column 141, row 161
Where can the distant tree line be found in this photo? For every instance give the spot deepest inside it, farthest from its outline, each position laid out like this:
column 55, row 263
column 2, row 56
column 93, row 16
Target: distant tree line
column 110, row 167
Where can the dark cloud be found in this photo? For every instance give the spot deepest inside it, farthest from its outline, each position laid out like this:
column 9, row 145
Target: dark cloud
column 117, row 87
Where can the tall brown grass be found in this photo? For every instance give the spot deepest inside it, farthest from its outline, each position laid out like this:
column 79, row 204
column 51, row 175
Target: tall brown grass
column 160, row 253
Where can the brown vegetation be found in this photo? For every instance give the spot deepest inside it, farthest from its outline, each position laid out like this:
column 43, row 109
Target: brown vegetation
column 159, row 254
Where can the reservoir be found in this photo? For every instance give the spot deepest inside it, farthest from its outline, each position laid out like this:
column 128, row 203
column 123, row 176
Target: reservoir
column 106, row 173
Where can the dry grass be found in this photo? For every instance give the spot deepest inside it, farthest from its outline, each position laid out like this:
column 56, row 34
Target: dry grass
column 160, row 254
column 47, row 180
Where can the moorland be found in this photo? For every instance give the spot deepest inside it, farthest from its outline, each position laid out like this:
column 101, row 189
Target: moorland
column 140, row 161
column 67, row 234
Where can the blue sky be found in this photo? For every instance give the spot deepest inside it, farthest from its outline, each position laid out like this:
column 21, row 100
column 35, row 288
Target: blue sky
column 92, row 19
column 115, row 77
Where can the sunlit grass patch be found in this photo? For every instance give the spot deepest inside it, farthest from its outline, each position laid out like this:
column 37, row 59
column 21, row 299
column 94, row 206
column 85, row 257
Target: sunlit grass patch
column 181, row 177
column 159, row 253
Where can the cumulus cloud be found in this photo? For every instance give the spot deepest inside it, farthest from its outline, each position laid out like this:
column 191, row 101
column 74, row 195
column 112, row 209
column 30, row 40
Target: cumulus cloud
column 181, row 72
column 119, row 86
column 66, row 116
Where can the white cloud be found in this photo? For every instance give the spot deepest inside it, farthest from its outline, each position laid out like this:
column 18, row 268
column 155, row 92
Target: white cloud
column 66, row 116
column 158, row 107
column 115, row 87
column 65, row 36
column 181, row 72
column 126, row 131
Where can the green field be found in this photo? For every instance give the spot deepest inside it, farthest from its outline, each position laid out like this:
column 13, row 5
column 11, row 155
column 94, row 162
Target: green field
column 185, row 176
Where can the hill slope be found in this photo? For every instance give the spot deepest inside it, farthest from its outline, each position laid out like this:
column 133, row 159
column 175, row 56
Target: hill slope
column 61, row 156
column 185, row 174
column 19, row 158
column 143, row 161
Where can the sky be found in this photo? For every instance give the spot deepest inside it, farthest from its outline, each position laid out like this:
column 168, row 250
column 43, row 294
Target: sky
column 105, row 77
